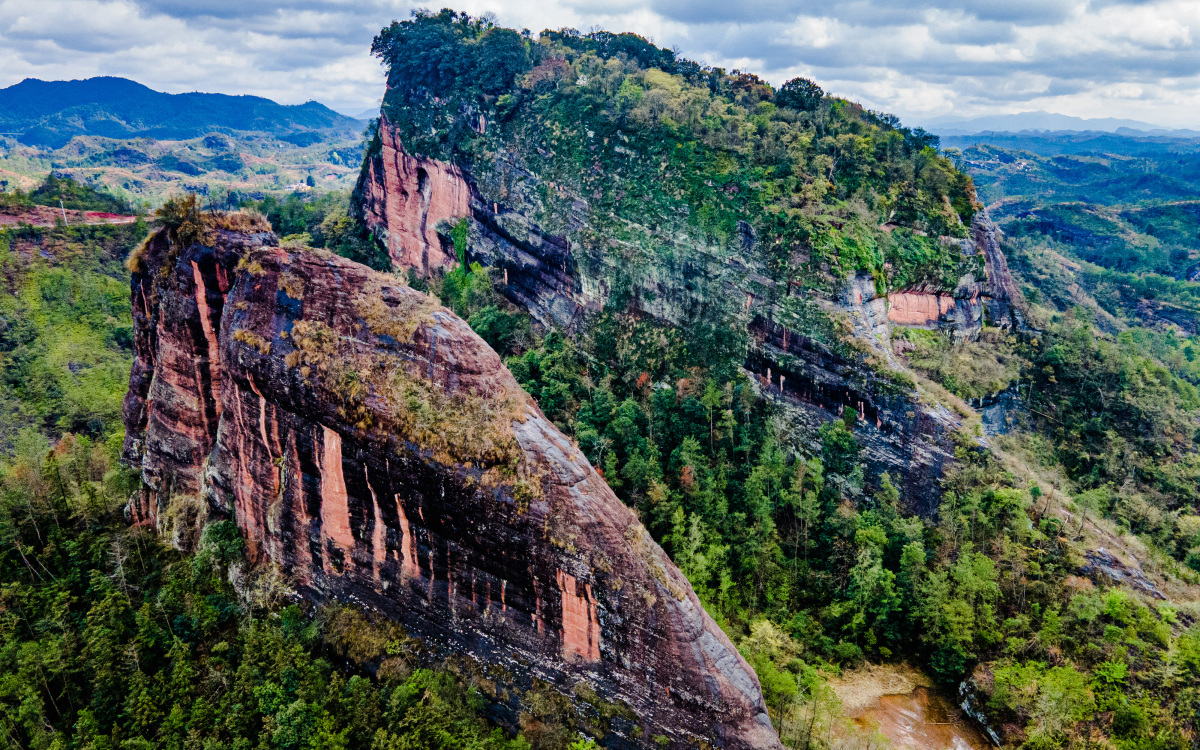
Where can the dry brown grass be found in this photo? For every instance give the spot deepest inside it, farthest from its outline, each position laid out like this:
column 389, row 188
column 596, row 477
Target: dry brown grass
column 252, row 339
column 291, row 284
column 932, row 393
column 399, row 321
column 382, row 392
column 250, row 266
column 135, row 262
column 644, row 546
column 970, row 369
column 248, row 222
column 186, row 224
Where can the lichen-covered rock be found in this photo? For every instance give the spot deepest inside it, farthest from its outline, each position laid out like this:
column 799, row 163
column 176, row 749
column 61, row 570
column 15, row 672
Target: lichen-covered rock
column 373, row 447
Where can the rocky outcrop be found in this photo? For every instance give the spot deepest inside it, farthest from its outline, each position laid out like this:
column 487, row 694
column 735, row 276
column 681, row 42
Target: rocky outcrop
column 959, row 314
column 1102, row 564
column 561, row 278
column 408, row 198
column 918, row 309
column 999, row 292
column 973, row 695
column 812, row 385
column 173, row 406
column 371, row 446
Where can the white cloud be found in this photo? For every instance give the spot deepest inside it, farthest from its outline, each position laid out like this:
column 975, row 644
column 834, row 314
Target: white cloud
column 817, row 33
column 1138, row 60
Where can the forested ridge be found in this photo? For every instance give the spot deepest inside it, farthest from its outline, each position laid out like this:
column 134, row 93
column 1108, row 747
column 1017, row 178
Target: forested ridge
column 110, row 639
column 685, row 148
column 789, row 550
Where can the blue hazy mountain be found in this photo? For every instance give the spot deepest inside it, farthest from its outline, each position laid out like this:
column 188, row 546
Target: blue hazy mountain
column 50, row 113
column 1033, row 121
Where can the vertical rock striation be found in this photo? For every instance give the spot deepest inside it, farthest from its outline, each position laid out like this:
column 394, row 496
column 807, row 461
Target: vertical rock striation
column 173, row 406
column 414, row 196
column 373, row 447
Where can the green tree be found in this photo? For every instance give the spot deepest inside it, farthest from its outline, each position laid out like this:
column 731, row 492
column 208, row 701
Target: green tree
column 801, row 94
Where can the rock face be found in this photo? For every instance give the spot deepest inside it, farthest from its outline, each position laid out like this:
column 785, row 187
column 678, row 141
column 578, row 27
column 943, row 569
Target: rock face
column 373, row 447
column 813, row 385
column 560, row 280
column 1100, row 563
column 417, row 194
column 1000, row 292
column 173, row 406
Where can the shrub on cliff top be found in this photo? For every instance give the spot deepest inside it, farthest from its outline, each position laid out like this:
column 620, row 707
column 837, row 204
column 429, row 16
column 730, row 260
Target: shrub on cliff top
column 180, row 216
column 642, row 135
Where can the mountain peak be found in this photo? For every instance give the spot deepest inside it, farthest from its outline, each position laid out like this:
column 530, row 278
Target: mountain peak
column 50, row 113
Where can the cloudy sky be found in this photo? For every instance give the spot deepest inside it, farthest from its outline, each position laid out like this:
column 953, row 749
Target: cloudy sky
column 923, row 59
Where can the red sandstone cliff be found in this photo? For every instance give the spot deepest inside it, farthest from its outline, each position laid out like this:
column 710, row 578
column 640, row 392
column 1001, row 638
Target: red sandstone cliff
column 412, row 196
column 373, row 447
column 560, row 280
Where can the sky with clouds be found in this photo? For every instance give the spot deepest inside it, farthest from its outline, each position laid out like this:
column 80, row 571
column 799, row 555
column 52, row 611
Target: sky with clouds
column 922, row 59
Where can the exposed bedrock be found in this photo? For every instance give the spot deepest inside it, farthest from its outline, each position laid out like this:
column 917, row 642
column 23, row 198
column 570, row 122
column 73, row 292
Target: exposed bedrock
column 562, row 278
column 413, row 196
column 371, row 446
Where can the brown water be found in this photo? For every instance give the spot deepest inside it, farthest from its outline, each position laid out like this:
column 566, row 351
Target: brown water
column 923, row 720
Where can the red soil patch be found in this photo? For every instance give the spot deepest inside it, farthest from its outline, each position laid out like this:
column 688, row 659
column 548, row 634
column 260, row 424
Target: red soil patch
column 47, row 216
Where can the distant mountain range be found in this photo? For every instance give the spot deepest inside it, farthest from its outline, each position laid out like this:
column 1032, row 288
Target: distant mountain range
column 1036, row 121
column 51, row 113
column 1125, row 142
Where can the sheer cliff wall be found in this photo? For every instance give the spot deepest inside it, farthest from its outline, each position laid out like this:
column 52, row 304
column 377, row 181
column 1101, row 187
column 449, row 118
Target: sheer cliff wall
column 371, row 446
column 561, row 279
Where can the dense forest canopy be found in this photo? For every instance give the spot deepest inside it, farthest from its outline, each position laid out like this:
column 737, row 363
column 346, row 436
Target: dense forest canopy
column 108, row 639
column 613, row 118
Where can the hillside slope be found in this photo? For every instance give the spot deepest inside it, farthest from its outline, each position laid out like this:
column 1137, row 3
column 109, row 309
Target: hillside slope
column 767, row 230
column 1122, row 210
column 50, row 113
column 754, row 308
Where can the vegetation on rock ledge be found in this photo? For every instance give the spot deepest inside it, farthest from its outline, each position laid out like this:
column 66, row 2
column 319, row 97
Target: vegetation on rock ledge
column 675, row 147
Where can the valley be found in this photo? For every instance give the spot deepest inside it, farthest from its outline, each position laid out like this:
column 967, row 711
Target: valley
column 224, row 169
column 598, row 398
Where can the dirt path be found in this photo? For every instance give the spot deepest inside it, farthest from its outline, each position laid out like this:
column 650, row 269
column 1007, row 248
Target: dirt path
column 923, row 720
column 47, row 216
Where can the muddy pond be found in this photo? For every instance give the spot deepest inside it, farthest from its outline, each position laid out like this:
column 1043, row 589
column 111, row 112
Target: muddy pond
column 923, row 719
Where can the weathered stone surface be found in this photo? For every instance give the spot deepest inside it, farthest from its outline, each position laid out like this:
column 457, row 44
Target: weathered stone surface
column 173, row 406
column 812, row 385
column 918, row 309
column 1100, row 563
column 973, row 694
column 416, row 195
column 1000, row 292
column 560, row 281
column 373, row 447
